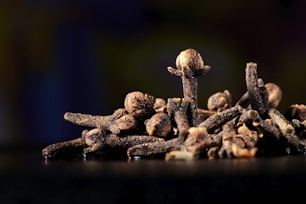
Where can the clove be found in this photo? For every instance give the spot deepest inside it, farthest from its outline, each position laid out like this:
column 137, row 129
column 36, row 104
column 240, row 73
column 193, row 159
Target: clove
column 218, row 119
column 190, row 65
column 257, row 95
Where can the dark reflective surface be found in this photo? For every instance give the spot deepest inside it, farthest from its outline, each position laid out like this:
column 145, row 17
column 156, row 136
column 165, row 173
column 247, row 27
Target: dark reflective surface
column 29, row 178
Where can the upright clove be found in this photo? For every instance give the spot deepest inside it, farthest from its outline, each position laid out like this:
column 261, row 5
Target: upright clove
column 190, row 65
column 258, row 98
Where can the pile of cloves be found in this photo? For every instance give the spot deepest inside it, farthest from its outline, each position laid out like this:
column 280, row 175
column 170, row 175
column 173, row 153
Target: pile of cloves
column 177, row 129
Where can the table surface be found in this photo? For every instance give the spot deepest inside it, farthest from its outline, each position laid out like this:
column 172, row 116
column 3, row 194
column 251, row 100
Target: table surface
column 27, row 176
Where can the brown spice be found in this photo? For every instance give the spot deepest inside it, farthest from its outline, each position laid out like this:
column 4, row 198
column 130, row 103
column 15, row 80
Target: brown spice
column 178, row 129
column 106, row 122
column 96, row 142
column 218, row 119
column 283, row 124
column 159, row 125
column 154, row 148
column 219, row 101
column 190, row 65
column 197, row 140
column 257, row 97
column 63, row 149
column 177, row 107
column 139, row 104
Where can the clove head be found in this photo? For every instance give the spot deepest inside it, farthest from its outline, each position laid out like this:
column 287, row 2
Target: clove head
column 196, row 140
column 191, row 59
column 139, row 104
column 159, row 125
column 219, row 101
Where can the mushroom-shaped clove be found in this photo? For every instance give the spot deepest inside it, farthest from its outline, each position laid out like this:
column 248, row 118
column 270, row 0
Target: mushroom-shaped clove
column 190, row 65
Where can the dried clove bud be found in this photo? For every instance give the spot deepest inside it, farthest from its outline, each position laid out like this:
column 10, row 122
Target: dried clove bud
column 219, row 101
column 139, row 104
column 190, row 65
column 159, row 125
column 127, row 124
column 197, row 140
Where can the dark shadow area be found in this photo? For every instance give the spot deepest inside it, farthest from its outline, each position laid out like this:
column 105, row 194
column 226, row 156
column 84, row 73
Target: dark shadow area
column 28, row 178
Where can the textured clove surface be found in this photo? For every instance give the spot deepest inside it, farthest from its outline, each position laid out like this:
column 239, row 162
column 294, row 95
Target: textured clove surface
column 176, row 128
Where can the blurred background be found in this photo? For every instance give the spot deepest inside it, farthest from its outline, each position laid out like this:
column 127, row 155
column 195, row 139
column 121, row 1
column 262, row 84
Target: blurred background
column 85, row 56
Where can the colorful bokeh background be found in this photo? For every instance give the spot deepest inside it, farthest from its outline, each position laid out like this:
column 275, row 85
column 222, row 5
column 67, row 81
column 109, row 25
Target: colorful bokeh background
column 85, row 56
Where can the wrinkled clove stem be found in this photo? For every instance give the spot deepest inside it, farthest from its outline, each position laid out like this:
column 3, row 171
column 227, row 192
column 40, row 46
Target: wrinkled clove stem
column 178, row 107
column 279, row 119
column 218, row 119
column 265, row 127
column 64, row 148
column 126, row 141
column 93, row 120
column 154, row 148
column 256, row 98
column 269, row 128
column 182, row 124
column 97, row 144
column 85, row 119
